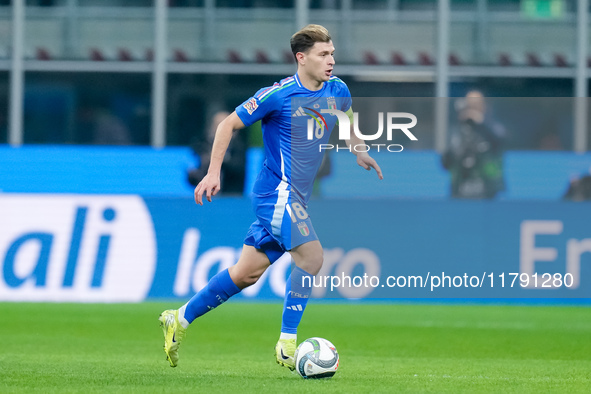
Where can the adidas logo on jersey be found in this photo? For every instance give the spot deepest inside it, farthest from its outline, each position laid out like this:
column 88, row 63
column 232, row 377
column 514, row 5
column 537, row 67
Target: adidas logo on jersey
column 299, row 112
column 297, row 307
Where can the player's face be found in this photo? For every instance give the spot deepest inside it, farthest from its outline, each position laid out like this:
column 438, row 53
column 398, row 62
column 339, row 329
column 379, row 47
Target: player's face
column 319, row 61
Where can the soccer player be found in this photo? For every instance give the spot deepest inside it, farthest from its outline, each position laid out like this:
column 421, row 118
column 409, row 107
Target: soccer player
column 281, row 191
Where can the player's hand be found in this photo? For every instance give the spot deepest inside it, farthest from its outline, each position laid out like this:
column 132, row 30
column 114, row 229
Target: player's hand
column 210, row 185
column 367, row 162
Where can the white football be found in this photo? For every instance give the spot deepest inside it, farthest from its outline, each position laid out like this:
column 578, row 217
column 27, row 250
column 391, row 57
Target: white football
column 316, row 358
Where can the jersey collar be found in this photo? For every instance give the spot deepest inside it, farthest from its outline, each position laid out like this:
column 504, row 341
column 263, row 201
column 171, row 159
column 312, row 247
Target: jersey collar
column 301, row 85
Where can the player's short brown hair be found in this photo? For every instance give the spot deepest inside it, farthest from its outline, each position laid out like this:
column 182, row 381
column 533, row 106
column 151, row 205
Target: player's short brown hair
column 305, row 39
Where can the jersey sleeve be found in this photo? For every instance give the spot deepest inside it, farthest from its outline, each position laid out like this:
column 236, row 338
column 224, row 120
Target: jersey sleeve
column 256, row 107
column 345, row 97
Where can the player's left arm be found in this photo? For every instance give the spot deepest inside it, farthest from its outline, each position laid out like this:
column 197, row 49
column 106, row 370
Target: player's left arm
column 363, row 158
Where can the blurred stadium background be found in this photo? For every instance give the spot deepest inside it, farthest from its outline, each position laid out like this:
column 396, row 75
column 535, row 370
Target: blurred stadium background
column 105, row 111
column 158, row 70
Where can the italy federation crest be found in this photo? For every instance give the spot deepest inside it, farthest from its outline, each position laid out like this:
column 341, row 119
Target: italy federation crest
column 332, row 103
column 303, row 227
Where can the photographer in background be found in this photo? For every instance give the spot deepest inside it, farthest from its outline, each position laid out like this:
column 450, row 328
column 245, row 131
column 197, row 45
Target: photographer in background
column 579, row 188
column 474, row 157
column 233, row 167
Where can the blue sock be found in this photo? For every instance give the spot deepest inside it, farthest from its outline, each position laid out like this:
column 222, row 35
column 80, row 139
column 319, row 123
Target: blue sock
column 297, row 293
column 216, row 292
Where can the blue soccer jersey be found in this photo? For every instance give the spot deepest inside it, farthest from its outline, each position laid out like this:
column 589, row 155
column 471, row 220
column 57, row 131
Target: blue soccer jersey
column 293, row 128
column 284, row 108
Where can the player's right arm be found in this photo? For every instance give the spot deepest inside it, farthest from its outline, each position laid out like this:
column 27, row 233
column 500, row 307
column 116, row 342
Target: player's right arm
column 263, row 103
column 210, row 184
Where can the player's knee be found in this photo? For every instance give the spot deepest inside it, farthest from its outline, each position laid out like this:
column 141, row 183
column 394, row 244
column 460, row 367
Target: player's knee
column 315, row 264
column 309, row 257
column 245, row 279
column 312, row 263
column 250, row 279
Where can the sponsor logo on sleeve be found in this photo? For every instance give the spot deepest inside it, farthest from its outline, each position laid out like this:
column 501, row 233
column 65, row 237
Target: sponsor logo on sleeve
column 251, row 105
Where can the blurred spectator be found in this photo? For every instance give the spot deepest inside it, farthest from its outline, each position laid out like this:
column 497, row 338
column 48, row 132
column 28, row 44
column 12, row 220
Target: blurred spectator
column 232, row 176
column 550, row 141
column 549, row 132
column 579, row 189
column 475, row 158
column 109, row 129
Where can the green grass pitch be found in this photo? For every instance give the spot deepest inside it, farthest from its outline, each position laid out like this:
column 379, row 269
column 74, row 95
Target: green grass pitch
column 383, row 348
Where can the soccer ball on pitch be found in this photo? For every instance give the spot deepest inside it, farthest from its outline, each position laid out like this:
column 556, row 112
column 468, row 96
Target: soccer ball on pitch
column 316, row 358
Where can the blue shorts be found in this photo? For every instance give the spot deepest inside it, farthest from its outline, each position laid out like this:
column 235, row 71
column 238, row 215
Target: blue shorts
column 282, row 224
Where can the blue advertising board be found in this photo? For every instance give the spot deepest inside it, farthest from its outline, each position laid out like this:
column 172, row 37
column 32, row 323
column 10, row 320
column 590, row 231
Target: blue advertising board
column 125, row 248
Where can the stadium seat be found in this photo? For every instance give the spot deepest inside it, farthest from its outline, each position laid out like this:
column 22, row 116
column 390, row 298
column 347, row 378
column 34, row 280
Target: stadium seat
column 370, row 58
column 560, row 60
column 124, row 55
column 234, row 56
column 505, row 60
column 262, row 57
column 533, row 60
column 180, row 56
column 42, row 54
column 398, row 59
column 425, row 59
column 97, row 55
column 288, row 57
column 454, row 60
